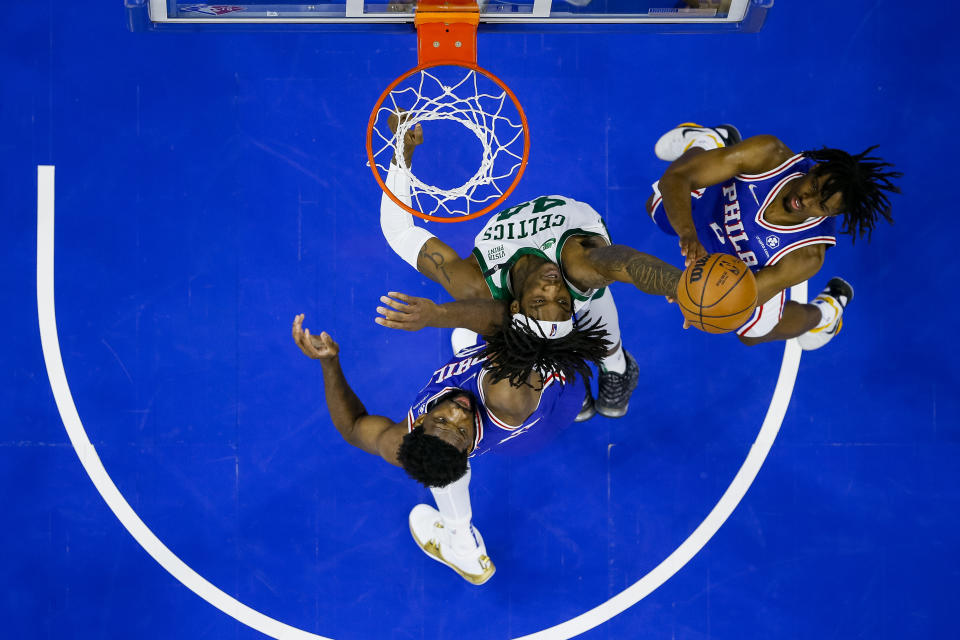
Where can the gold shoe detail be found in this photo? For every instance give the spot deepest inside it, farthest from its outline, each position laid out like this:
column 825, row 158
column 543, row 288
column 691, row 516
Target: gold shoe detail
column 432, row 549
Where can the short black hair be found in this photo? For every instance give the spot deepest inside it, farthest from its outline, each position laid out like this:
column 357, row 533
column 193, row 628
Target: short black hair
column 861, row 180
column 429, row 460
column 516, row 350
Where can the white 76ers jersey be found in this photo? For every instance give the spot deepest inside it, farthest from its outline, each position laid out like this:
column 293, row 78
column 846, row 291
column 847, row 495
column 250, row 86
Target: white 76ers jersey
column 539, row 227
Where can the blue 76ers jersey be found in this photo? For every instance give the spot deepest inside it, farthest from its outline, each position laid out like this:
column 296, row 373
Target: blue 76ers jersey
column 559, row 404
column 729, row 217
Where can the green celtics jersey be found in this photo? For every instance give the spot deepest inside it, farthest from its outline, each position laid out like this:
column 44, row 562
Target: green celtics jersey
column 540, row 227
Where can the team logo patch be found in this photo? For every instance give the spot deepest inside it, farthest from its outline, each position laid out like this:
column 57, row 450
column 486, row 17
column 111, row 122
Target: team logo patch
column 212, row 9
column 549, row 243
column 773, row 242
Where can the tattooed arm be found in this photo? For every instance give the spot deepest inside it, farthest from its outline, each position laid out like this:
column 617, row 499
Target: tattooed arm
column 418, row 247
column 460, row 277
column 594, row 267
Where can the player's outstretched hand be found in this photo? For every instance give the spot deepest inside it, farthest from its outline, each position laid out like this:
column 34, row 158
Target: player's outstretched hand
column 407, row 312
column 686, row 323
column 320, row 347
column 411, row 139
column 691, row 249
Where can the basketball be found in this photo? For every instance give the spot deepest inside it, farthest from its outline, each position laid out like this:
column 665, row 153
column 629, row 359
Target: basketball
column 717, row 293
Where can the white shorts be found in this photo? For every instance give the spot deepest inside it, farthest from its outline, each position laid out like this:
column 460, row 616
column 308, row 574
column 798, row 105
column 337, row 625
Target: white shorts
column 765, row 318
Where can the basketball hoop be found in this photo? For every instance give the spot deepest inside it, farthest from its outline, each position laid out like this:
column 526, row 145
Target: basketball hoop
column 448, row 85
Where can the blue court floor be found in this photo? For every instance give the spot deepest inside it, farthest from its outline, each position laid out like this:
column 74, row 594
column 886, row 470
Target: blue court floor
column 210, row 186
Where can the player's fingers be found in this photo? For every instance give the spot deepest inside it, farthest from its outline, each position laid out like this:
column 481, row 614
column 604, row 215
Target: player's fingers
column 298, row 336
column 396, row 316
column 317, row 346
column 391, row 325
column 401, row 296
column 328, row 343
column 399, row 317
column 307, row 342
column 390, row 297
column 399, row 306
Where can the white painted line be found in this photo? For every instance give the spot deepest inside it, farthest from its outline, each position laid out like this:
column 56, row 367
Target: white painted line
column 275, row 629
column 88, row 454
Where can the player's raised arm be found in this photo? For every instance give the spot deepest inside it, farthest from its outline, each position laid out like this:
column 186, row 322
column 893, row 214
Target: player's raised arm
column 696, row 170
column 418, row 247
column 597, row 267
column 411, row 313
column 374, row 434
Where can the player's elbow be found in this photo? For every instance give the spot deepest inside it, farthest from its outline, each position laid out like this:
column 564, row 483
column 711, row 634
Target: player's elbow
column 767, row 145
column 348, row 428
column 676, row 177
column 749, row 341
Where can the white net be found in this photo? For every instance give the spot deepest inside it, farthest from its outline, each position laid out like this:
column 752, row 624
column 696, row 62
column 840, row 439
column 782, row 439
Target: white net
column 472, row 100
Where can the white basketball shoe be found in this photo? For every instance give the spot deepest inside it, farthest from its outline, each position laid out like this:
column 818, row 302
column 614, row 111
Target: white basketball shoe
column 675, row 142
column 831, row 301
column 428, row 531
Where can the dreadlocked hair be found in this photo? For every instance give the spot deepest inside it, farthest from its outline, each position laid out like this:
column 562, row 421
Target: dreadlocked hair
column 429, row 460
column 516, row 351
column 862, row 181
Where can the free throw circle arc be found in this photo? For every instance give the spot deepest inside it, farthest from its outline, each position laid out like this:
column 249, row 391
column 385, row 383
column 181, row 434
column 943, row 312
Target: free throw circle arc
column 254, row 619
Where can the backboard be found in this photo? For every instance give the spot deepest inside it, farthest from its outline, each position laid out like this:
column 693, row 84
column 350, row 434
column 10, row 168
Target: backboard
column 655, row 15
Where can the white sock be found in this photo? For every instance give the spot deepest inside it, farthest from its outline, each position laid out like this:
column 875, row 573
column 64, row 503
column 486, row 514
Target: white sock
column 453, row 503
column 616, row 363
column 829, row 310
column 604, row 308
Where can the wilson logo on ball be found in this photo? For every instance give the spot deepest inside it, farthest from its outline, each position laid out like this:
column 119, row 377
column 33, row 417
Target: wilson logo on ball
column 696, row 270
column 717, row 293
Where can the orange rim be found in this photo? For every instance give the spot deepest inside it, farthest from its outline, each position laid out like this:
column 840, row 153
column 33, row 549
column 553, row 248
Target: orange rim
column 523, row 160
